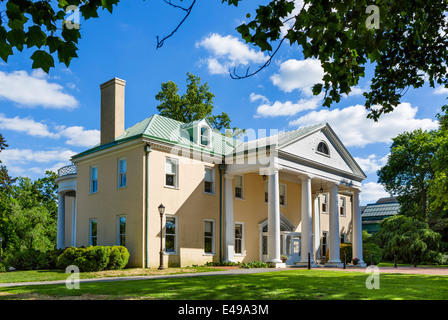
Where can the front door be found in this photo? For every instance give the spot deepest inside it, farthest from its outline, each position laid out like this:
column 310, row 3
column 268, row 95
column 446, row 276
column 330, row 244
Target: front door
column 292, row 246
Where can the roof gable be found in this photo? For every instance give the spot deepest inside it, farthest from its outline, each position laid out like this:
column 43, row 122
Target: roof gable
column 304, row 143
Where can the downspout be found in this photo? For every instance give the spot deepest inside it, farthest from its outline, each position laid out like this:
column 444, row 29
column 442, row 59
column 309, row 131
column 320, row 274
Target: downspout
column 148, row 149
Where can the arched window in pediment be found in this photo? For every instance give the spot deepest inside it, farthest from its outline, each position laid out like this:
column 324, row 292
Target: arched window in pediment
column 323, row 148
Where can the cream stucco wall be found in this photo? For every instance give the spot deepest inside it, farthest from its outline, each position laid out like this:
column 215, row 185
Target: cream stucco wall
column 109, row 201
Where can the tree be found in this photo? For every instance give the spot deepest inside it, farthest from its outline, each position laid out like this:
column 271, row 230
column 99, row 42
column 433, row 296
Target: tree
column 409, row 171
column 404, row 40
column 405, row 237
column 195, row 104
column 439, row 188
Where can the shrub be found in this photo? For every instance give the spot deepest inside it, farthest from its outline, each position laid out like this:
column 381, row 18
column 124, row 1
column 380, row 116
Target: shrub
column 94, row 258
column 118, row 257
column 255, row 264
column 348, row 250
column 368, row 249
column 31, row 259
column 3, row 266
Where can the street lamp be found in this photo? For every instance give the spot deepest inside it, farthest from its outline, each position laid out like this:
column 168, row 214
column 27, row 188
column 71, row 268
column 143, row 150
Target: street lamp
column 161, row 212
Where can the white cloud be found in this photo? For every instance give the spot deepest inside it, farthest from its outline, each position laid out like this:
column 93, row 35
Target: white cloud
column 26, row 125
column 78, row 136
column 372, row 163
column 372, row 191
column 31, row 163
column 298, row 75
column 440, row 90
column 34, row 90
column 287, row 108
column 354, row 129
column 228, row 52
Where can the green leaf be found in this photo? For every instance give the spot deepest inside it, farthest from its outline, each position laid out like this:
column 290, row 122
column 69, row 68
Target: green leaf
column 42, row 59
column 5, row 51
column 35, row 37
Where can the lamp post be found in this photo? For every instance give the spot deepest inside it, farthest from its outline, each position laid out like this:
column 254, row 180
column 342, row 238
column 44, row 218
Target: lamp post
column 161, row 212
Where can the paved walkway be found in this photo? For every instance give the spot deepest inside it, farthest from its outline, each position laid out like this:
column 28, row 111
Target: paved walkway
column 236, row 271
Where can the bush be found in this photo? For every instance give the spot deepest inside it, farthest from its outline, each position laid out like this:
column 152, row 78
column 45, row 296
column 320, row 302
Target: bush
column 94, row 258
column 368, row 249
column 31, row 259
column 348, row 250
column 255, row 264
column 4, row 267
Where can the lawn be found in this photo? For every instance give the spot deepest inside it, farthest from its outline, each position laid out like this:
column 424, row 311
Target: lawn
column 280, row 285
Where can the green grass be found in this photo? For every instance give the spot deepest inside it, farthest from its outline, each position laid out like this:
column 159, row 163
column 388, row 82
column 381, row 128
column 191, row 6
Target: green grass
column 49, row 275
column 279, row 285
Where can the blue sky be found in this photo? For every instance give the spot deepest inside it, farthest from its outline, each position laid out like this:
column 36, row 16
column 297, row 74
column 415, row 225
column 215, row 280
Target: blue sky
column 48, row 118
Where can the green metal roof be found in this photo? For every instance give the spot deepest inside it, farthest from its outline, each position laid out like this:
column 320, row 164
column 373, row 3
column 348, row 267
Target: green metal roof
column 382, row 210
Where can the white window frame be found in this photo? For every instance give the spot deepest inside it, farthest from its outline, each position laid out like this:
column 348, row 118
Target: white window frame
column 212, row 237
column 324, row 245
column 176, row 174
column 324, row 203
column 242, row 187
column 206, row 135
column 342, row 207
column 92, row 184
column 242, row 253
column 323, row 153
column 119, row 234
column 122, row 174
column 285, row 203
column 266, row 192
column 212, row 181
column 91, row 236
column 176, row 233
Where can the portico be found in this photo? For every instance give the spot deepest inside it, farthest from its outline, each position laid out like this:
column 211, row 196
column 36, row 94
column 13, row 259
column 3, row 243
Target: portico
column 328, row 173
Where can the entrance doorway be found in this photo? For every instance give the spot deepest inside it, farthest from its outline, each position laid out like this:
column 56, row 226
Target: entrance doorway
column 289, row 241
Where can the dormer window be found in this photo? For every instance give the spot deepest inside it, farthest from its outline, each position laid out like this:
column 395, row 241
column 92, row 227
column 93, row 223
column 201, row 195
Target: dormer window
column 323, row 148
column 205, row 136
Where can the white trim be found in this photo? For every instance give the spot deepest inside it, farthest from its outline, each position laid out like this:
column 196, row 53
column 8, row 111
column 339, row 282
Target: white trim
column 343, row 206
column 213, row 237
column 91, row 179
column 243, row 251
column 242, row 187
column 212, row 181
column 119, row 173
column 176, row 235
column 285, row 204
column 176, row 174
column 118, row 229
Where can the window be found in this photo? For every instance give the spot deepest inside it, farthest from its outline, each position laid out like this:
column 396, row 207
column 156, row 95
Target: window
column 239, row 187
column 239, row 240
column 209, row 180
column 324, row 243
column 209, row 236
column 323, row 148
column 171, row 172
column 121, row 231
column 205, row 136
column 266, row 188
column 343, row 237
column 122, row 173
column 93, row 179
column 170, row 234
column 324, row 203
column 282, row 194
column 342, row 207
column 93, row 228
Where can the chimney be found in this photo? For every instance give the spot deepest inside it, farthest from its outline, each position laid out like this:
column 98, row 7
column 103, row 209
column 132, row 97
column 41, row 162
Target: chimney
column 112, row 110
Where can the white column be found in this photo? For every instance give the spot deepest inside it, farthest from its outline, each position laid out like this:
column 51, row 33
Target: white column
column 334, row 239
column 307, row 222
column 229, row 229
column 316, row 227
column 74, row 222
column 273, row 217
column 61, row 222
column 357, row 227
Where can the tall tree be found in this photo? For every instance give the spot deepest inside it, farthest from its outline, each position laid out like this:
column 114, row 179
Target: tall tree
column 409, row 171
column 404, row 40
column 195, row 104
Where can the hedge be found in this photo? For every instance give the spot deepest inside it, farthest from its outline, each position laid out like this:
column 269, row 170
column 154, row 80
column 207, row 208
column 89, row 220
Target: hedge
column 31, row 259
column 367, row 250
column 94, row 258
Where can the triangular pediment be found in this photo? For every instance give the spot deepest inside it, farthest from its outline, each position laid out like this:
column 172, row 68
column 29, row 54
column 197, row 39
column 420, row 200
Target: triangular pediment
column 332, row 153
